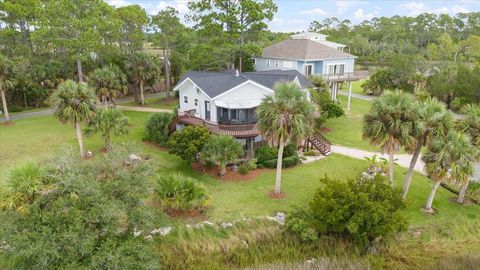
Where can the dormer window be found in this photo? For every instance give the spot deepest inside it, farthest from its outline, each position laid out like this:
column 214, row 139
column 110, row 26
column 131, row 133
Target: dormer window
column 268, row 62
column 277, row 63
column 185, row 99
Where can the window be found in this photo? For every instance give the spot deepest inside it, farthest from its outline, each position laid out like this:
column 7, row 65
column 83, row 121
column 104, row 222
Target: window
column 277, row 63
column 308, row 70
column 233, row 114
column 185, row 99
column 336, row 69
column 268, row 62
column 196, row 102
column 254, row 60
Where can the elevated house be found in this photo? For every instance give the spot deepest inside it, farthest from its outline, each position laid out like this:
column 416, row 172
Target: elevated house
column 225, row 103
column 312, row 54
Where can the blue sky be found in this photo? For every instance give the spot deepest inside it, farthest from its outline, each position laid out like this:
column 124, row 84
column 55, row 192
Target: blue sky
column 296, row 15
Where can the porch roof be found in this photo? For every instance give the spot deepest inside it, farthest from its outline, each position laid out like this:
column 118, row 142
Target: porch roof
column 238, row 104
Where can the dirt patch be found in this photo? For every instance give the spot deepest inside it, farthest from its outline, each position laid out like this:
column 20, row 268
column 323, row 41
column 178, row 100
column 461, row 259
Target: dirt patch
column 7, row 124
column 274, row 195
column 176, row 213
column 230, row 175
column 103, row 150
column 432, row 211
column 454, row 200
column 325, row 130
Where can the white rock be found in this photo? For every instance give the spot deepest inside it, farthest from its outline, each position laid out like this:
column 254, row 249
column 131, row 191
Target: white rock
column 280, row 217
column 89, row 154
column 148, row 237
column 136, row 233
column 208, row 223
column 225, row 225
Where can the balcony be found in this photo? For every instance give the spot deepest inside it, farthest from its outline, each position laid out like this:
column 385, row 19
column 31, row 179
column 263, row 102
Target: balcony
column 236, row 130
column 350, row 76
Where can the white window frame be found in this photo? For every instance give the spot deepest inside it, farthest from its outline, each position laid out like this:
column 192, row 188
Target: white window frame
column 305, row 70
column 334, row 71
column 185, row 99
column 268, row 63
column 277, row 63
column 196, row 102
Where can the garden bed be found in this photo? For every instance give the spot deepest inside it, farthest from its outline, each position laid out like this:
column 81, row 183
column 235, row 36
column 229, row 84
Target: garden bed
column 230, row 175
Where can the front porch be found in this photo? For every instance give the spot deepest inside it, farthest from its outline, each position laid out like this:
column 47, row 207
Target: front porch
column 227, row 116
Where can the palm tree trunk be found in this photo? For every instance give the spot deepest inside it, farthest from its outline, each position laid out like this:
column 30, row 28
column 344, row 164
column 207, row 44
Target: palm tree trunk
column 278, row 179
column 413, row 162
column 108, row 144
column 391, row 163
column 79, row 70
column 223, row 170
column 166, row 74
column 78, row 129
column 428, row 206
column 4, row 103
column 462, row 193
column 142, row 98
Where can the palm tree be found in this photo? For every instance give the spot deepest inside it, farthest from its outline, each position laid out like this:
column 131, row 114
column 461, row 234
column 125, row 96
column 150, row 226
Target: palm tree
column 419, row 82
column 141, row 68
column 74, row 103
column 390, row 123
column 285, row 115
column 222, row 149
column 449, row 158
column 470, row 125
column 434, row 120
column 6, row 81
column 108, row 82
column 108, row 122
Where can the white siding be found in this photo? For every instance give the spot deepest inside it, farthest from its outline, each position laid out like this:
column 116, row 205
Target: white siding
column 246, row 92
column 349, row 64
column 188, row 89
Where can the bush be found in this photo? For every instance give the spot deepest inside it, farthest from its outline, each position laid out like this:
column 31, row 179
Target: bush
column 244, row 169
column 359, row 210
column 286, row 162
column 311, row 153
column 265, row 153
column 300, row 223
column 222, row 150
column 252, row 164
column 333, row 109
column 188, row 142
column 290, row 150
column 156, row 129
column 178, row 192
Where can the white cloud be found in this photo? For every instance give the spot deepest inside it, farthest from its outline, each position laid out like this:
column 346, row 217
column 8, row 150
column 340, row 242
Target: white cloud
column 361, row 16
column 459, row 9
column 180, row 5
column 287, row 25
column 414, row 8
column 417, row 8
column 343, row 6
column 315, row 11
column 118, row 3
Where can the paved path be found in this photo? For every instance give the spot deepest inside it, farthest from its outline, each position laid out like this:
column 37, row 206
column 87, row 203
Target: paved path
column 359, row 96
column 142, row 109
column 402, row 160
column 50, row 111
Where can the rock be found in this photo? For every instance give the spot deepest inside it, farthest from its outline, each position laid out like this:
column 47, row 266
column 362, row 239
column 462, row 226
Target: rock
column 148, row 237
column 244, row 243
column 198, row 225
column 235, row 168
column 89, row 154
column 208, row 223
column 225, row 225
column 133, row 159
column 162, row 231
column 136, row 233
column 280, row 218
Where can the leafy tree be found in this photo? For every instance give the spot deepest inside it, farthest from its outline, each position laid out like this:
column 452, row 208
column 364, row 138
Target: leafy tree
column 108, row 82
column 133, row 19
column 222, row 149
column 449, row 158
column 156, row 129
column 95, row 209
column 109, row 122
column 6, row 81
column 74, row 103
column 378, row 82
column 141, row 68
column 283, row 116
column 179, row 192
column 390, row 123
column 433, row 120
column 346, row 208
column 188, row 142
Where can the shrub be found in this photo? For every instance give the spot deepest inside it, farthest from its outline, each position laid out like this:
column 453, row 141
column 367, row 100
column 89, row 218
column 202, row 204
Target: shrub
column 222, row 149
column 286, row 162
column 265, row 153
column 188, row 142
column 299, row 222
column 290, row 150
column 252, row 164
column 473, row 191
column 244, row 169
column 333, row 109
column 156, row 129
column 178, row 192
column 359, row 210
column 311, row 153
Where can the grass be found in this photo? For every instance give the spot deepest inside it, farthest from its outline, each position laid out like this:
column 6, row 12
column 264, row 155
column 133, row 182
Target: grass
column 155, row 102
column 356, row 87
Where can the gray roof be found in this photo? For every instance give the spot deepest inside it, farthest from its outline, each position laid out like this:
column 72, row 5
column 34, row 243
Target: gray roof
column 303, row 49
column 216, row 83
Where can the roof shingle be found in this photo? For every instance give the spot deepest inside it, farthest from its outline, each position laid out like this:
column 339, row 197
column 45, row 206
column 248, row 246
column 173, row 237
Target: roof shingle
column 303, row 49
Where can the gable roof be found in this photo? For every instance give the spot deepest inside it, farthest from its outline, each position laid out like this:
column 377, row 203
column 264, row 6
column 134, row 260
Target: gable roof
column 303, row 49
column 216, row 83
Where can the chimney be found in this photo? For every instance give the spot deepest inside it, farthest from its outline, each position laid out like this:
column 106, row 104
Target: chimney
column 236, row 73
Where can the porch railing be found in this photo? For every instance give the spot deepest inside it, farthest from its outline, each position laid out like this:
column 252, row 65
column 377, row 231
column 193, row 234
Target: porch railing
column 350, row 76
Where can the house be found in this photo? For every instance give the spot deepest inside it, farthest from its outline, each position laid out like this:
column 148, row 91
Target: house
column 312, row 54
column 225, row 102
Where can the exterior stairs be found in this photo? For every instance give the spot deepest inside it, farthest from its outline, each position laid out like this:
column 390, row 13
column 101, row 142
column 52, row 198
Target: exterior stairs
column 322, row 144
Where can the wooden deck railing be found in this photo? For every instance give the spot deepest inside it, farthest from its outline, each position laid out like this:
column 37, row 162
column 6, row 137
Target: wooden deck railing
column 239, row 131
column 351, row 76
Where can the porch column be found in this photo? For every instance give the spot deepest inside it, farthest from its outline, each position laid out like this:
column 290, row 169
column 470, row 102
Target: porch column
column 252, row 153
column 349, row 100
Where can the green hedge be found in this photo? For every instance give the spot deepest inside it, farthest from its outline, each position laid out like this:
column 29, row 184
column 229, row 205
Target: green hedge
column 286, row 162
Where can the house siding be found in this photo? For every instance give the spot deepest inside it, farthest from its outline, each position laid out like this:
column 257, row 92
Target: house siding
column 349, row 64
column 261, row 64
column 188, row 89
column 319, row 67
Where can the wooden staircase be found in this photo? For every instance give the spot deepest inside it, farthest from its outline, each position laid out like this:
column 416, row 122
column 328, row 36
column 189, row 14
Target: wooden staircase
column 322, row 144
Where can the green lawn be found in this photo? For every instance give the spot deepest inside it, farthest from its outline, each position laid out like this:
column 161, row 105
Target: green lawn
column 356, row 87
column 155, row 102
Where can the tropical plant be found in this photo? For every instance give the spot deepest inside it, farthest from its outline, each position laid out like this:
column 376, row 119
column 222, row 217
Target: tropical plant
column 108, row 82
column 156, row 129
column 346, row 208
column 283, row 116
column 390, row 123
column 22, row 186
column 449, row 158
column 470, row 125
column 433, row 120
column 222, row 149
column 188, row 142
column 109, row 122
column 141, row 69
column 74, row 103
column 378, row 82
column 179, row 192
column 7, row 71
column 419, row 82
